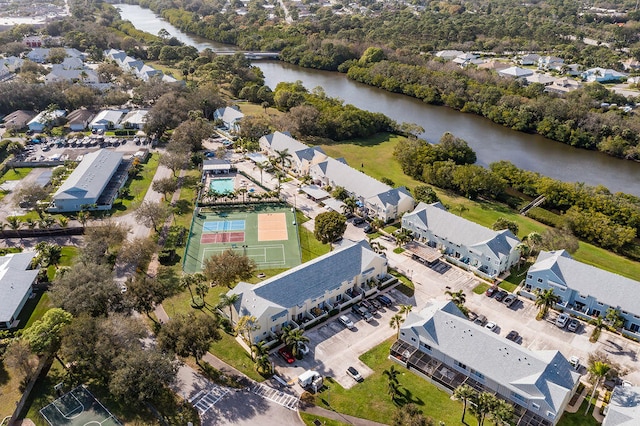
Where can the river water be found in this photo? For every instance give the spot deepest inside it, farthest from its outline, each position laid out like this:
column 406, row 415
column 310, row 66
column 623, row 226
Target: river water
column 490, row 141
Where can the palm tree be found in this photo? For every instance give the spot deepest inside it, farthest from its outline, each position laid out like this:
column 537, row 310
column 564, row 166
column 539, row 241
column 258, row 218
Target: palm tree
column 377, row 247
column 483, row 404
column 243, row 192
column 246, row 324
column 403, row 237
column 502, row 412
column 392, row 381
column 597, row 370
column 202, row 288
column 264, row 364
column 464, row 393
column 545, row 300
column 295, row 337
column 598, row 325
column 284, row 158
column 377, row 223
column 63, row 221
column 395, row 323
column 228, row 301
column 187, row 280
column 350, row 205
column 83, row 217
column 14, row 222
column 31, row 224
column 524, row 250
column 46, row 222
column 259, row 350
column 306, row 179
column 533, row 240
column 405, row 309
column 457, row 297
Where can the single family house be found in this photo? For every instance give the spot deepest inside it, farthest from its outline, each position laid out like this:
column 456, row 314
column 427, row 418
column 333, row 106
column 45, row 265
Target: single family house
column 515, row 72
column 46, row 119
column 79, row 119
column 481, row 250
column 134, row 119
column 229, row 116
column 18, row 119
column 602, row 75
column 107, row 119
column 16, row 280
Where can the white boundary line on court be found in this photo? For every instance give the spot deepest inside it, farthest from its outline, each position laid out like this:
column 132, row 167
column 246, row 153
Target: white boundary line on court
column 208, row 252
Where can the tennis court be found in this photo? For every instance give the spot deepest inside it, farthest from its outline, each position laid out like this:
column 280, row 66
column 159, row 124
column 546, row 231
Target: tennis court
column 265, row 233
column 78, row 408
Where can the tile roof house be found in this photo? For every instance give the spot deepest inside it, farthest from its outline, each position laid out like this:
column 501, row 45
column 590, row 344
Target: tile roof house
column 584, row 290
column 563, row 85
column 440, row 343
column 624, row 407
column 515, row 72
column 543, row 79
column 46, row 119
column 550, row 62
column 229, row 116
column 18, row 119
column 467, row 244
column 16, row 280
column 94, row 182
column 449, row 55
column 79, row 119
column 309, row 290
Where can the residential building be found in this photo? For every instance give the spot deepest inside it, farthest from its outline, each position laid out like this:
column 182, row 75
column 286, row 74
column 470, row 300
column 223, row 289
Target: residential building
column 309, row 291
column 631, row 64
column 624, row 407
column 18, row 119
column 563, row 85
column 529, row 59
column 16, row 280
column 585, row 290
column 10, row 64
column 302, row 156
column 544, row 79
column 46, row 119
column 33, row 41
column 135, row 66
column 229, row 116
column 72, row 75
column 107, row 119
column 376, row 199
column 550, row 63
column 79, row 119
column 482, row 250
column 134, row 119
column 493, row 65
column 440, row 344
column 40, row 55
column 449, row 55
column 515, row 72
column 93, row 185
column 466, row 59
column 602, row 75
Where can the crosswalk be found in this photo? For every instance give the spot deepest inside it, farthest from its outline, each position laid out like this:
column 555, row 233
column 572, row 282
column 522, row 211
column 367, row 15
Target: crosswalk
column 286, row 400
column 206, row 399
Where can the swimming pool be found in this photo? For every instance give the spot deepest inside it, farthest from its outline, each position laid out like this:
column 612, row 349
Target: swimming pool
column 222, row 186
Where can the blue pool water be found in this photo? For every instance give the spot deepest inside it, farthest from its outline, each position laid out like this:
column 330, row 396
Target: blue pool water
column 222, row 186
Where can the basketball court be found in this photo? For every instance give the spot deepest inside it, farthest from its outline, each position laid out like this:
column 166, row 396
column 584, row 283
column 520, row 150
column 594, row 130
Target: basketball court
column 265, row 233
column 78, row 408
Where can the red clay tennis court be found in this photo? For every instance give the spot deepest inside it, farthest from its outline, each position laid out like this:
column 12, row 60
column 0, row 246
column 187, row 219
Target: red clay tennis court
column 222, row 237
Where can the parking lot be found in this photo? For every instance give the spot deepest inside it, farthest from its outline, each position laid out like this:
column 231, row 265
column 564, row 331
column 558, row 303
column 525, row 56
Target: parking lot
column 334, row 348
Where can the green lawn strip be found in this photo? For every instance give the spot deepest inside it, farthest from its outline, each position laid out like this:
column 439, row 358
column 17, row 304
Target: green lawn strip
column 66, row 258
column 377, row 155
column 481, row 288
column 370, row 399
column 137, row 187
column 309, row 418
column 578, row 418
column 15, row 174
column 34, row 309
column 310, row 247
column 391, row 228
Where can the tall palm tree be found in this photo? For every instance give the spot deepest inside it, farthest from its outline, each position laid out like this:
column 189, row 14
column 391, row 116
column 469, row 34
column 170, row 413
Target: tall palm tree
column 391, row 374
column 483, row 404
column 403, row 237
column 524, row 250
column 188, row 280
column 284, row 157
column 597, row 370
column 258, row 350
column 502, row 412
column 457, row 297
column 405, row 309
column 246, row 324
column 228, row 301
column 533, row 240
column 395, row 323
column 83, row 217
column 264, row 364
column 202, row 288
column 294, row 337
column 546, row 299
column 598, row 325
column 464, row 393
column 350, row 205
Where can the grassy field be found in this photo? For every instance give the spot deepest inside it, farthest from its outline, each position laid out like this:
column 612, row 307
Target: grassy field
column 358, row 401
column 309, row 245
column 16, row 174
column 68, row 253
column 376, row 154
column 137, row 188
column 308, row 420
column 578, row 418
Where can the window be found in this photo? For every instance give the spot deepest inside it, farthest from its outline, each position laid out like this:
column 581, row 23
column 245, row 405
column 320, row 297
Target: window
column 518, row 397
column 427, row 347
column 539, row 280
column 550, row 414
column 413, row 339
column 461, row 365
column 600, row 304
column 477, row 374
column 529, row 276
column 535, row 406
column 634, row 328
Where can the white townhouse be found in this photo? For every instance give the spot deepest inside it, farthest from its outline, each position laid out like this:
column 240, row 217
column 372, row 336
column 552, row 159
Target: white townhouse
column 440, row 344
column 93, row 185
column 230, row 117
column 302, row 156
column 310, row 290
column 16, row 281
column 376, row 198
column 624, row 407
column 467, row 244
column 585, row 290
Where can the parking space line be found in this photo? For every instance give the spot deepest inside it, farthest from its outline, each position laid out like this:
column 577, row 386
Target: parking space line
column 281, row 398
column 208, row 399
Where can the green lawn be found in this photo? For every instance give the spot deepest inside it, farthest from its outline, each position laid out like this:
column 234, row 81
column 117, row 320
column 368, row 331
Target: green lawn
column 578, row 418
column 137, row 187
column 16, row 174
column 309, row 418
column 359, row 401
column 309, row 245
column 376, row 153
column 68, row 253
column 481, row 288
column 42, row 305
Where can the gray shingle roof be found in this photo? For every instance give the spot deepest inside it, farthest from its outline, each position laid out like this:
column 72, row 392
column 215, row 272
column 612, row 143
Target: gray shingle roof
column 307, row 281
column 543, row 375
column 280, row 141
column 624, row 407
column 458, row 230
column 15, row 281
column 351, row 179
column 607, row 287
column 91, row 176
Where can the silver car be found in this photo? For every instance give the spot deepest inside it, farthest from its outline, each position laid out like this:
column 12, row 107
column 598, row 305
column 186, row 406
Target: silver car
column 346, row 321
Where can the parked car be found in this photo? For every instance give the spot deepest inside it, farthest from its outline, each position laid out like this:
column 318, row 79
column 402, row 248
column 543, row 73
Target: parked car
column 375, row 303
column 369, row 306
column 562, row 320
column 573, row 325
column 358, row 221
column 303, row 348
column 510, row 300
column 285, row 353
column 492, row 326
column 500, row 295
column 513, row 335
column 362, row 311
column 346, row 321
column 368, row 229
column 385, row 300
column 491, row 291
column 575, row 362
column 355, row 374
column 480, row 320
column 472, row 316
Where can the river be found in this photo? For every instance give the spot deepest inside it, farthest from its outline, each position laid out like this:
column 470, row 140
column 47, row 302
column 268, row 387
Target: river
column 490, row 141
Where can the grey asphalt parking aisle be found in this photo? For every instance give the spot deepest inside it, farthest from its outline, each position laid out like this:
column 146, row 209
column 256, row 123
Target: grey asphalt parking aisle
column 286, row 400
column 204, row 400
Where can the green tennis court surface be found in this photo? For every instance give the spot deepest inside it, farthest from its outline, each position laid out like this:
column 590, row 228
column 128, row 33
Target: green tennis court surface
column 265, row 233
column 78, row 408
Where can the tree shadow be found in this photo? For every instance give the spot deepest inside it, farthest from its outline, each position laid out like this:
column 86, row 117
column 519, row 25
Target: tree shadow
column 405, row 396
column 182, row 207
column 4, row 375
